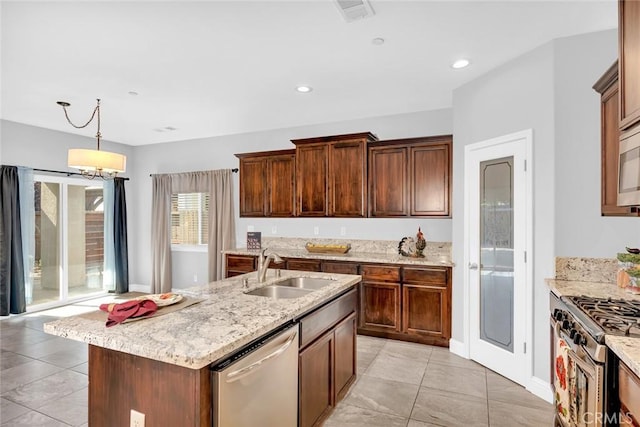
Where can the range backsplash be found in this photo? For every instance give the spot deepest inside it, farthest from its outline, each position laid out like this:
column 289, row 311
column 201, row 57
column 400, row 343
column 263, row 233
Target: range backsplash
column 602, row 270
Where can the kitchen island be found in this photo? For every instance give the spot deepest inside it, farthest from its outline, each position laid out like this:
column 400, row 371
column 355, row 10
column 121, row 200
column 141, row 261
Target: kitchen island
column 160, row 366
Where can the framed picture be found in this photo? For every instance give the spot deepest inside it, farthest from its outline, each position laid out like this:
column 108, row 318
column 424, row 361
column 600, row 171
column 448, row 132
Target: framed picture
column 254, row 240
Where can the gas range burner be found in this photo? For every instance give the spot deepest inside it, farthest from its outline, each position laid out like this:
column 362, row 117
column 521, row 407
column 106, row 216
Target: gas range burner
column 615, row 316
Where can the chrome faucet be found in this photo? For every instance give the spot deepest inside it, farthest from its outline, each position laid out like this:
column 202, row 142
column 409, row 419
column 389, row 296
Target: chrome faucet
column 263, row 263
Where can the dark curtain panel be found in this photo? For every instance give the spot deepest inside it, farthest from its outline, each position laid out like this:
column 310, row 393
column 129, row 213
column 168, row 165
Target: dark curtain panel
column 120, row 237
column 12, row 291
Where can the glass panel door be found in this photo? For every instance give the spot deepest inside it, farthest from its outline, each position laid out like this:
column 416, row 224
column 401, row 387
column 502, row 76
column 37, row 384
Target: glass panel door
column 496, row 252
column 46, row 269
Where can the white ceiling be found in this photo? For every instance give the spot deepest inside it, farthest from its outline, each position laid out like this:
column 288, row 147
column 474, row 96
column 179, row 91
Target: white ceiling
column 212, row 68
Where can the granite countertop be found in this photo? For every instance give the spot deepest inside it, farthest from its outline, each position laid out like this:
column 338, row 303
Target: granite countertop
column 626, row 348
column 384, row 258
column 205, row 332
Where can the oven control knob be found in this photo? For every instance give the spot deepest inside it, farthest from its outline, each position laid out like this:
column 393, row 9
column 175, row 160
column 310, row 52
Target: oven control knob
column 558, row 315
column 572, row 333
column 578, row 339
column 566, row 324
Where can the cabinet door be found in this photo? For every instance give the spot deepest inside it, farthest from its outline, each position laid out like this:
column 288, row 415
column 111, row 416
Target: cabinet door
column 316, row 381
column 430, row 180
column 345, row 355
column 347, row 178
column 253, row 186
column 339, row 267
column 629, row 62
column 425, row 310
column 380, row 306
column 312, row 175
column 281, row 186
column 388, row 185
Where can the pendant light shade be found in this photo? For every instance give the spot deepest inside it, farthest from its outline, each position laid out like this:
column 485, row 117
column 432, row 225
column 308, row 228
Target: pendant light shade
column 92, row 163
column 96, row 160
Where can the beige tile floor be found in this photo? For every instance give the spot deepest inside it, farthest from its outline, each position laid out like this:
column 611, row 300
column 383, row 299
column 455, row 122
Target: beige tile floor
column 43, row 382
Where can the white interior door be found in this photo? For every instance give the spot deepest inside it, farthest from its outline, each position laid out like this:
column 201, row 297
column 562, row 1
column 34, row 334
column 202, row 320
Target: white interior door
column 497, row 218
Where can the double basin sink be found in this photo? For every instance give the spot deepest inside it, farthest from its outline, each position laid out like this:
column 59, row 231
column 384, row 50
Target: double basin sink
column 292, row 287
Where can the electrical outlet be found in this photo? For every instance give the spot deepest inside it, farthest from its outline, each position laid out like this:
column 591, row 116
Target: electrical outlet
column 137, row 419
column 343, row 231
column 316, row 230
column 274, row 229
column 251, row 228
column 195, row 278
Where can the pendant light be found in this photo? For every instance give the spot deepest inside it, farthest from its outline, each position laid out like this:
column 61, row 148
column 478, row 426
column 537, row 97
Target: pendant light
column 93, row 163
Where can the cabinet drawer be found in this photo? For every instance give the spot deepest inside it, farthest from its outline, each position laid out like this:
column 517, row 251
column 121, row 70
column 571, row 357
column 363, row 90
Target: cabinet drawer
column 339, row 267
column 303, row 264
column 629, row 390
column 382, row 273
column 240, row 263
column 315, row 324
column 431, row 276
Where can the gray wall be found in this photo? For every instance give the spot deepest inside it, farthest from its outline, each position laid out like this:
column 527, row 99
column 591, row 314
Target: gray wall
column 547, row 90
column 218, row 153
column 580, row 230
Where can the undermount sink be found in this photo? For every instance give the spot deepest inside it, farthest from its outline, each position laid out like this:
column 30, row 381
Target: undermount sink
column 304, row 283
column 291, row 287
column 279, row 292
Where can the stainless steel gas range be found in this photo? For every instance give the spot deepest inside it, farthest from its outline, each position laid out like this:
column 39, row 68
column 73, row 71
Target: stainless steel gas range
column 584, row 369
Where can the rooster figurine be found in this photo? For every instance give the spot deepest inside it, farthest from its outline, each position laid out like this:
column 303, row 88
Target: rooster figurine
column 421, row 243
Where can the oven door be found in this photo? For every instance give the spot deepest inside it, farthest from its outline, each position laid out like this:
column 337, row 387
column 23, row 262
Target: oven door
column 629, row 168
column 578, row 384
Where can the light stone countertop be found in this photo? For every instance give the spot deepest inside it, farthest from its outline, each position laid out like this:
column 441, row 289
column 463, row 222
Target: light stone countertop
column 626, row 348
column 384, row 258
column 203, row 333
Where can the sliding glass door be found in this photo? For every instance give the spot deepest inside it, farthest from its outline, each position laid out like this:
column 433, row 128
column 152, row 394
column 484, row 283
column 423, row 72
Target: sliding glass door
column 68, row 243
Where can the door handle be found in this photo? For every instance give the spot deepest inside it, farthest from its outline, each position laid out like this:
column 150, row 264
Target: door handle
column 236, row 375
column 473, row 266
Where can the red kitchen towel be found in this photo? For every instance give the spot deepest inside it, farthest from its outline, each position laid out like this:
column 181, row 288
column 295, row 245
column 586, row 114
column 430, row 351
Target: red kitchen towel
column 118, row 313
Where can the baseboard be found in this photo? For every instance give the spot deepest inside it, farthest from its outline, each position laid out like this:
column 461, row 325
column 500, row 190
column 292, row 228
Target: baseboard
column 140, row 288
column 458, row 348
column 540, row 388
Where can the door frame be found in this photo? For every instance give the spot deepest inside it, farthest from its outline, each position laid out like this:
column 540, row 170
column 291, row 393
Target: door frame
column 526, row 136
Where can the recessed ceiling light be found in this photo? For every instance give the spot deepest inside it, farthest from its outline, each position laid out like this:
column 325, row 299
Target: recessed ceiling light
column 460, row 63
column 304, row 89
column 378, row 41
column 133, row 93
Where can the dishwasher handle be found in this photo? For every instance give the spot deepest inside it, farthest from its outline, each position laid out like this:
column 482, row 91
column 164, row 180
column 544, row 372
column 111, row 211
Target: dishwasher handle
column 236, row 375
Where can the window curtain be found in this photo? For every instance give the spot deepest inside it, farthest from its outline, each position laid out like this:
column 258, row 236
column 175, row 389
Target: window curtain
column 120, row 237
column 27, row 227
column 219, row 185
column 12, row 290
column 109, row 274
column 161, row 234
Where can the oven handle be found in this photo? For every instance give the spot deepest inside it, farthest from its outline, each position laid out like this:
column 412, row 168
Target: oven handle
column 590, row 369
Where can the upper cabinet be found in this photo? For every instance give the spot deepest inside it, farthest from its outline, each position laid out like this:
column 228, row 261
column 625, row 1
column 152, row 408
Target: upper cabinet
column 410, row 177
column 629, row 62
column 267, row 183
column 331, row 175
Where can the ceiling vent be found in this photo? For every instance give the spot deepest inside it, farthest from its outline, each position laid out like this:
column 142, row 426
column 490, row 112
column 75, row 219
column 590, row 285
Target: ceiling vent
column 352, row 10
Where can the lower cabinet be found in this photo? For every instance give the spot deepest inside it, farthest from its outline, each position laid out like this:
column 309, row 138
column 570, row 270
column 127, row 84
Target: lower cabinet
column 629, row 394
column 380, row 306
column 327, row 360
column 303, row 264
column 239, row 264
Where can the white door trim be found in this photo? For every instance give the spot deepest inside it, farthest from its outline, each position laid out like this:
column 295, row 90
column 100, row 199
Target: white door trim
column 527, row 136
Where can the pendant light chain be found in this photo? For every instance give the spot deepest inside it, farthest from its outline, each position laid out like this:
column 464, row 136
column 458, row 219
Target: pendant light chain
column 95, row 110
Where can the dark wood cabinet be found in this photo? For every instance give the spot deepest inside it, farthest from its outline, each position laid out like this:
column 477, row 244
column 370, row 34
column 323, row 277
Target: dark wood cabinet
column 380, row 298
column 267, row 184
column 327, row 361
column 426, row 302
column 239, row 264
column 303, row 264
column 629, row 62
column 316, row 381
column 331, row 175
column 410, row 177
column 629, row 394
column 340, row 267
column 607, row 87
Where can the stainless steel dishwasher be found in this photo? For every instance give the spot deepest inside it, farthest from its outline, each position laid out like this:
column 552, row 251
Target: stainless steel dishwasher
column 258, row 385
